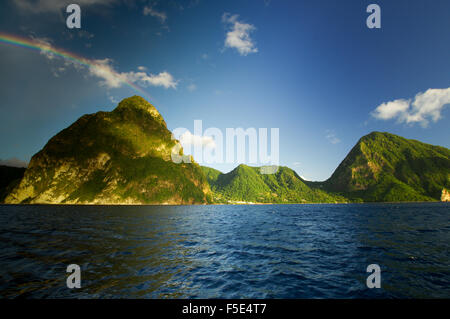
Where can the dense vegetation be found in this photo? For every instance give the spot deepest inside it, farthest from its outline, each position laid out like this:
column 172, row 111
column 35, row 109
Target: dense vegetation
column 248, row 184
column 386, row 167
column 123, row 156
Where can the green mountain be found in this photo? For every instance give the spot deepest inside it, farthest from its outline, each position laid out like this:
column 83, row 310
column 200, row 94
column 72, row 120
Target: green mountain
column 249, row 184
column 384, row 167
column 125, row 157
column 9, row 177
column 118, row 157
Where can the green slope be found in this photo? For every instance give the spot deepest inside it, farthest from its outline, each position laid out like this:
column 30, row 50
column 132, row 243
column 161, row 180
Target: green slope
column 211, row 174
column 387, row 167
column 124, row 157
column 118, row 157
column 248, row 184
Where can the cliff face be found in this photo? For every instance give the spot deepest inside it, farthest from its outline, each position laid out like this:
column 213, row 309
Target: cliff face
column 387, row 167
column 445, row 197
column 118, row 157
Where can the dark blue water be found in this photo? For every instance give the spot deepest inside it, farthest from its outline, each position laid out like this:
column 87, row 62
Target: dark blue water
column 267, row 251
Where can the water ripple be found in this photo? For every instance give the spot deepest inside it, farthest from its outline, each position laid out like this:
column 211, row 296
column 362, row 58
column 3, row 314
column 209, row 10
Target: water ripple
column 267, row 251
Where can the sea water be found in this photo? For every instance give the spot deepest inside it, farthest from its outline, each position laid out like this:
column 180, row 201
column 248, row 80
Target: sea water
column 226, row 251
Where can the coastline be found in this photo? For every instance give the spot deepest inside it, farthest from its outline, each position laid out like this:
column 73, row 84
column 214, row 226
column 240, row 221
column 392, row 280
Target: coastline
column 221, row 204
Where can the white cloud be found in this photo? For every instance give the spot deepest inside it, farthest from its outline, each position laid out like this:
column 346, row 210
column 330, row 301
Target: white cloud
column 142, row 68
column 188, row 138
column 423, row 108
column 149, row 11
column 331, row 137
column 55, row 6
column 45, row 45
column 103, row 69
column 296, row 163
column 14, row 162
column 238, row 36
column 114, row 79
column 164, row 79
column 391, row 109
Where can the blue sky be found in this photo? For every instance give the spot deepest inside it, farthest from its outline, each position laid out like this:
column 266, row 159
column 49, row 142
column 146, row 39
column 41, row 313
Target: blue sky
column 310, row 68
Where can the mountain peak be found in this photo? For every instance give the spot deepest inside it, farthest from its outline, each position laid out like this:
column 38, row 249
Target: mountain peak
column 138, row 103
column 387, row 167
column 117, row 157
column 135, row 101
column 374, row 134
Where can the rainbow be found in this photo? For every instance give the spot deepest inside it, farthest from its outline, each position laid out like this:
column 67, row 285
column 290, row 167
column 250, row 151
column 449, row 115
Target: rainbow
column 34, row 45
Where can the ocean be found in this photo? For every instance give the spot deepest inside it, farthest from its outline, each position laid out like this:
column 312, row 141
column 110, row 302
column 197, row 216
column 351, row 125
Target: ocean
column 226, row 251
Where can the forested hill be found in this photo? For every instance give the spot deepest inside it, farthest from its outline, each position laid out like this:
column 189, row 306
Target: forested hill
column 384, row 167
